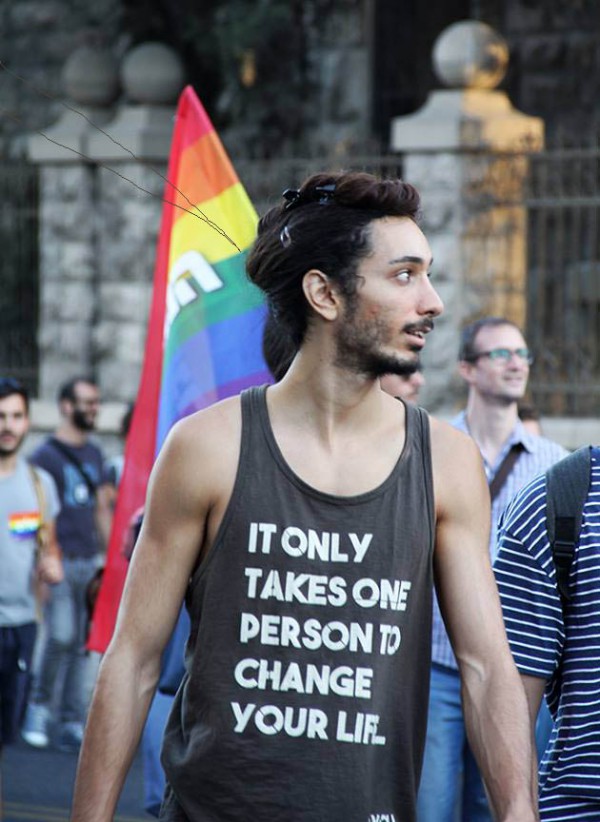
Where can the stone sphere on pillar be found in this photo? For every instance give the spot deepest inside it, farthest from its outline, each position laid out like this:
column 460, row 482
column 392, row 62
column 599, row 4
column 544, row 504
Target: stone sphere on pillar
column 90, row 76
column 469, row 54
column 152, row 73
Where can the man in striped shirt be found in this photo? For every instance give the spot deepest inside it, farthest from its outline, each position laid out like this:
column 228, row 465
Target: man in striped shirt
column 560, row 655
column 494, row 361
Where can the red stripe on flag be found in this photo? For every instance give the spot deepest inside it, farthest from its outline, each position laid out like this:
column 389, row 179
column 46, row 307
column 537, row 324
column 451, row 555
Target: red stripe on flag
column 192, row 121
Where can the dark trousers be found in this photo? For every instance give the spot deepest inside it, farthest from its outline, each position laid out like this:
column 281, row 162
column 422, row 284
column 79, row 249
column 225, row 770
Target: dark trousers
column 16, row 652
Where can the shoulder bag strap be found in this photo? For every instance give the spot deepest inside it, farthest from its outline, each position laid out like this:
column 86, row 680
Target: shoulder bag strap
column 41, row 501
column 505, row 468
column 66, row 452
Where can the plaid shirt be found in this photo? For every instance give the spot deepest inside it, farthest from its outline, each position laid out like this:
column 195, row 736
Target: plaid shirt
column 539, row 454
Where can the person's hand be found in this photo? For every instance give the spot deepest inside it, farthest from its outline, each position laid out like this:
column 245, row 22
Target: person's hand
column 50, row 570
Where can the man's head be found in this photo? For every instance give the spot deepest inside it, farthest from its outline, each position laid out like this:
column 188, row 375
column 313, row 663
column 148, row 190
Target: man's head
column 494, row 360
column 405, row 386
column 323, row 244
column 79, row 402
column 14, row 416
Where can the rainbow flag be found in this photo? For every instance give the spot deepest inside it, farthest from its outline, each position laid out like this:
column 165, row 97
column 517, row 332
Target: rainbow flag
column 206, row 319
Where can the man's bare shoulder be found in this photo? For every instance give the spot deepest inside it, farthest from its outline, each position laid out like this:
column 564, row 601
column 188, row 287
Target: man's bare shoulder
column 447, row 441
column 457, row 463
column 217, row 421
column 207, row 439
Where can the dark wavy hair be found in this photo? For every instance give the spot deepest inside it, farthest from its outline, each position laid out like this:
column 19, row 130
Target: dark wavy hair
column 325, row 224
column 468, row 351
column 10, row 386
column 67, row 390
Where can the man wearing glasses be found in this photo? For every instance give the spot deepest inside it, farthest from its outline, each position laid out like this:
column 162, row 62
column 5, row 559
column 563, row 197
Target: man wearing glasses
column 494, row 361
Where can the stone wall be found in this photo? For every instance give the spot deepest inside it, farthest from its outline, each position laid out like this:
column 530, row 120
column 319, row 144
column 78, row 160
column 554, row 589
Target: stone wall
column 554, row 72
column 36, row 36
column 127, row 235
column 97, row 246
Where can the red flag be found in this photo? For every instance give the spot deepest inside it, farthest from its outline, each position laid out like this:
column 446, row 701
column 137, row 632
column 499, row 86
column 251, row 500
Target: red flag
column 205, row 327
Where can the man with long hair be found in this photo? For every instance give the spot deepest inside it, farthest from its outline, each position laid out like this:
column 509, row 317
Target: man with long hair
column 303, row 521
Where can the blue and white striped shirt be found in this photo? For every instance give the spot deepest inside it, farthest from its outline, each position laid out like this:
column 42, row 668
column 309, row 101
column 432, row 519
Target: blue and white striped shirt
column 539, row 453
column 565, row 653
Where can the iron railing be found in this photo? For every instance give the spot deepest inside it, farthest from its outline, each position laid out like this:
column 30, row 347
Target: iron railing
column 19, row 294
column 563, row 282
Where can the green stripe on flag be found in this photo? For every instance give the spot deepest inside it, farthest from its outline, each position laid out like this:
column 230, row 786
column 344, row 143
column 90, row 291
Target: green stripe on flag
column 236, row 296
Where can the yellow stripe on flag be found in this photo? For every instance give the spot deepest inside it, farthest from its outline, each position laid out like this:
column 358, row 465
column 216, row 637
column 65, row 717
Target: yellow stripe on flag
column 232, row 211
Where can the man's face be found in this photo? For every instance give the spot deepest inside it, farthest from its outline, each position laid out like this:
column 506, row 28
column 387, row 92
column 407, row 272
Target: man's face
column 84, row 410
column 500, row 380
column 383, row 326
column 14, row 424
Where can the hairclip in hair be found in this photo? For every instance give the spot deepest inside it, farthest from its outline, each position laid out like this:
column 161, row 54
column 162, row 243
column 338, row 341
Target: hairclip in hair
column 318, row 194
column 292, row 195
column 285, row 237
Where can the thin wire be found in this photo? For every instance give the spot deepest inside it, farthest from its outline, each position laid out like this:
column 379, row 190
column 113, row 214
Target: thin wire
column 43, row 93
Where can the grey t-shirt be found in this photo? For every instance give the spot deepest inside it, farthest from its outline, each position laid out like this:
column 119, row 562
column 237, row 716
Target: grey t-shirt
column 19, row 521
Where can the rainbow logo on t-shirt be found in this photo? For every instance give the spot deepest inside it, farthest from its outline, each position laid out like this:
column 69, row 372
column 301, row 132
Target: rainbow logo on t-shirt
column 24, row 524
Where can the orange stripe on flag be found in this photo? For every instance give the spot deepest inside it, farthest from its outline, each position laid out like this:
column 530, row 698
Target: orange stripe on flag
column 204, row 172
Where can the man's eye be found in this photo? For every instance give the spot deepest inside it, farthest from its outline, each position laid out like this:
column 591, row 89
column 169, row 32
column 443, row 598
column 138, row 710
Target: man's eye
column 404, row 275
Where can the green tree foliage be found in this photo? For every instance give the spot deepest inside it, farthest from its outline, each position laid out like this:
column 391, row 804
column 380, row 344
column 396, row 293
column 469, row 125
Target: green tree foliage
column 251, row 62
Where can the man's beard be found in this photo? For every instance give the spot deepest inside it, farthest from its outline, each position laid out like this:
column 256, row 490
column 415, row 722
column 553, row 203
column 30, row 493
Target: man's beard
column 360, row 346
column 81, row 420
column 8, row 451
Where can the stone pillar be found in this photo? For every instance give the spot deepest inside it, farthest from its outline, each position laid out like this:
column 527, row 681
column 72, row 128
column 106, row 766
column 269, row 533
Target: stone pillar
column 101, row 200
column 67, row 244
column 464, row 151
column 129, row 216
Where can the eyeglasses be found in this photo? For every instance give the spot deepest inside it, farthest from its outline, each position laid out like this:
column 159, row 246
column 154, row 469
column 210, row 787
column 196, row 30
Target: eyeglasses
column 505, row 355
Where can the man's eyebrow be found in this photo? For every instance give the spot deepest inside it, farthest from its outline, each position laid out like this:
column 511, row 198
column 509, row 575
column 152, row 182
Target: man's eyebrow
column 409, row 259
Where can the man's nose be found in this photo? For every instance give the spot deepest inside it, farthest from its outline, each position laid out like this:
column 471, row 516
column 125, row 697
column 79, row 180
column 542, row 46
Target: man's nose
column 431, row 302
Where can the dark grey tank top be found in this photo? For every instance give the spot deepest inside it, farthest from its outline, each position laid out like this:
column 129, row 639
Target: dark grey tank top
column 307, row 681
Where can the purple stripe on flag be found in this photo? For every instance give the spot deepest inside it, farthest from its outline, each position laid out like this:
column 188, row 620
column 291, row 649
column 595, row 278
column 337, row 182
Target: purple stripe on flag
column 229, row 390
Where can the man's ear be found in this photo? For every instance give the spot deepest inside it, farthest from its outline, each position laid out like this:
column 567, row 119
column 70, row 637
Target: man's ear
column 320, row 294
column 465, row 369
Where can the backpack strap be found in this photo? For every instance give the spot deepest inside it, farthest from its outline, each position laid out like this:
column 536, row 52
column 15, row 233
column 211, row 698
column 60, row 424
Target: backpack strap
column 567, row 485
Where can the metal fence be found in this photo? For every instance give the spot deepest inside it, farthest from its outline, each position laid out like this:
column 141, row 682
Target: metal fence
column 563, row 282
column 19, row 272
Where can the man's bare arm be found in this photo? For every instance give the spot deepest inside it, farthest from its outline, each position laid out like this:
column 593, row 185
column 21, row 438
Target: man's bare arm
column 494, row 704
column 104, row 513
column 181, row 497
